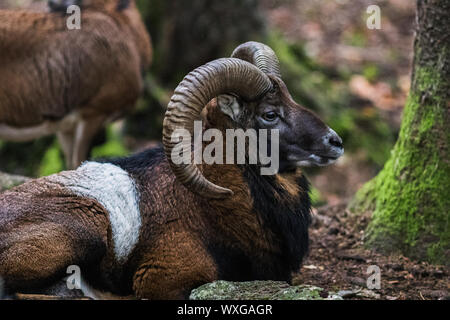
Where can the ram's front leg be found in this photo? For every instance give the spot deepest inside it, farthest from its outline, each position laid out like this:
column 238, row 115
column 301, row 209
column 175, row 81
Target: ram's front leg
column 174, row 268
column 84, row 133
column 66, row 140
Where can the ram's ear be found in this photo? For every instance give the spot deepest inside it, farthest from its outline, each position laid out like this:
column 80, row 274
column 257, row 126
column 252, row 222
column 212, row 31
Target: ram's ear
column 229, row 105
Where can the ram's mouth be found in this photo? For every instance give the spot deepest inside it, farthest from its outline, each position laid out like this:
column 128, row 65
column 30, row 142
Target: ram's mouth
column 324, row 160
column 316, row 160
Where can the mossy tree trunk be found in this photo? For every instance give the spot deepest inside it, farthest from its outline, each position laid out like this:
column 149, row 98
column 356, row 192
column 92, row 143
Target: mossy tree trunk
column 410, row 197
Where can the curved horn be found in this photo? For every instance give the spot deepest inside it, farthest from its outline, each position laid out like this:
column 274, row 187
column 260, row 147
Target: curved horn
column 260, row 55
column 227, row 75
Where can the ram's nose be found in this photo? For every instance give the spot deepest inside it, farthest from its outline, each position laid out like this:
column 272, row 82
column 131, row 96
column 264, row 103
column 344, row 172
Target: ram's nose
column 333, row 143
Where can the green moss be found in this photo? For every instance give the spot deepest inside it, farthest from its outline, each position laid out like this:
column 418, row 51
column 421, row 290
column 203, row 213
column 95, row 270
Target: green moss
column 371, row 72
column 409, row 197
column 258, row 290
column 364, row 199
column 356, row 38
column 24, row 158
column 52, row 162
column 316, row 197
column 113, row 147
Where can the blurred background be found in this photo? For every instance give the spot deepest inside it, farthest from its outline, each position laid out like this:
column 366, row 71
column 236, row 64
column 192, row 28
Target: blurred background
column 355, row 78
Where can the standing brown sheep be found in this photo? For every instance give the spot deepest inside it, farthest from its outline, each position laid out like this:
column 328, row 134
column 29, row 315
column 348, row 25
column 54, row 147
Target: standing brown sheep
column 70, row 82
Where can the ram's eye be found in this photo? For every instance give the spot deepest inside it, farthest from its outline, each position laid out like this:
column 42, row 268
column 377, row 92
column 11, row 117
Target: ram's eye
column 270, row 116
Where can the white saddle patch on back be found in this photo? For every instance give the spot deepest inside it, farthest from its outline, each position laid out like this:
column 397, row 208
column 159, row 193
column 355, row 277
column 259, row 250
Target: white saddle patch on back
column 115, row 190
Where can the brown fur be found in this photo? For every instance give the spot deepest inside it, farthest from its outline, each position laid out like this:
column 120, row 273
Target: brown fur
column 39, row 242
column 186, row 264
column 48, row 71
column 288, row 182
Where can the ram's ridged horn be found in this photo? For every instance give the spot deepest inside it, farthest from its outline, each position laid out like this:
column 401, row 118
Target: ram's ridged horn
column 260, row 55
column 227, row 75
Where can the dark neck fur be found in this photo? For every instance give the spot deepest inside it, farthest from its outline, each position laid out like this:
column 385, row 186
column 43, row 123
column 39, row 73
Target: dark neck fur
column 287, row 215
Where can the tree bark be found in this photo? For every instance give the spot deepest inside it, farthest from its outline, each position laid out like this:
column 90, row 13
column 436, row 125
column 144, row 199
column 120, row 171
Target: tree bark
column 409, row 199
column 187, row 34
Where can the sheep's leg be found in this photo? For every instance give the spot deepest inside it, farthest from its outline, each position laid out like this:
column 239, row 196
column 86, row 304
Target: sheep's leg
column 14, row 134
column 84, row 133
column 66, row 140
column 175, row 270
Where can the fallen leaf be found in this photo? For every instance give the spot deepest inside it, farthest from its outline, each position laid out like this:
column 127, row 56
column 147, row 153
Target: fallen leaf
column 310, row 267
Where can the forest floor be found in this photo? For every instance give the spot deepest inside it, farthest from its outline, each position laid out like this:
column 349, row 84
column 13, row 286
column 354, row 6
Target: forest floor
column 338, row 261
column 335, row 34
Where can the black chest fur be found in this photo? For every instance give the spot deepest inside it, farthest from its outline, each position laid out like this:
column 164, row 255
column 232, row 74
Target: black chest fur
column 286, row 217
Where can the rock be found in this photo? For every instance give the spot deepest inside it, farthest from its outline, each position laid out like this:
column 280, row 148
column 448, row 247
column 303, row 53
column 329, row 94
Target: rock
column 359, row 293
column 259, row 290
column 347, row 294
column 437, row 294
column 366, row 293
column 7, row 181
